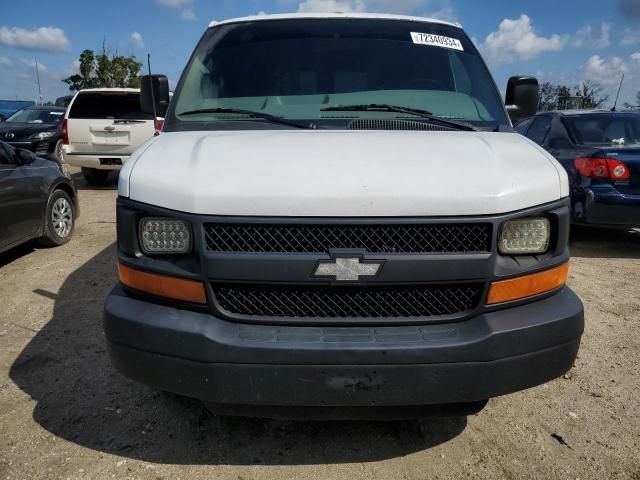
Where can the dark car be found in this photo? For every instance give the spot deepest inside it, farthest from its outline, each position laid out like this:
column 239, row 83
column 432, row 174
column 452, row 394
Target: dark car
column 37, row 199
column 600, row 150
column 64, row 101
column 38, row 129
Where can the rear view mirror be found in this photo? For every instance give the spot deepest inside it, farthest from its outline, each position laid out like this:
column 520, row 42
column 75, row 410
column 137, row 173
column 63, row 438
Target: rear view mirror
column 522, row 98
column 154, row 92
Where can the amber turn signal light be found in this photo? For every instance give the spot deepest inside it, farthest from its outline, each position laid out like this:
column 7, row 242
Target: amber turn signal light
column 528, row 285
column 163, row 285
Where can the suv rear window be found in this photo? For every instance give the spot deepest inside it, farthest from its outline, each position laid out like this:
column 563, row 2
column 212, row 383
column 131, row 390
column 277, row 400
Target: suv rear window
column 108, row 105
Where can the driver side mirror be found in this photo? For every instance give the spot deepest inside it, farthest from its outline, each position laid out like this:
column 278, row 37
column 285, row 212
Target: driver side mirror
column 522, row 98
column 24, row 157
column 154, row 92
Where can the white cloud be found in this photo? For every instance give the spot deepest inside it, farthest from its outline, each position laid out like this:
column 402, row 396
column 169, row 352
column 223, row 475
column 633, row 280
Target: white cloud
column 516, row 39
column 604, row 71
column 441, row 9
column 395, row 6
column 5, row 62
column 175, row 3
column 635, row 57
column 630, row 37
column 188, row 14
column 49, row 39
column 445, row 12
column 137, row 40
column 72, row 69
column 586, row 37
column 185, row 7
column 321, row 6
column 42, row 68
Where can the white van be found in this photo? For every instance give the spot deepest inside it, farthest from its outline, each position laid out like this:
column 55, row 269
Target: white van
column 102, row 128
column 340, row 221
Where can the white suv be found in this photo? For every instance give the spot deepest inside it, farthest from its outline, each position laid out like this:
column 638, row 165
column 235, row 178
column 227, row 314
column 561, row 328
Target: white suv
column 102, row 128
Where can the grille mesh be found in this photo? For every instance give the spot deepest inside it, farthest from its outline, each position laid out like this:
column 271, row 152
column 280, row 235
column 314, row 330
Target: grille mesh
column 347, row 302
column 373, row 124
column 387, row 238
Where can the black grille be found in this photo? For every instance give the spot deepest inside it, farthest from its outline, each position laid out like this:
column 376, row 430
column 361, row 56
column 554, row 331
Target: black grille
column 385, row 238
column 373, row 124
column 347, row 302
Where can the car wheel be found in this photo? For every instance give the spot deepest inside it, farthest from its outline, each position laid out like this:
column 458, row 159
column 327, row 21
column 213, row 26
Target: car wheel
column 56, row 156
column 94, row 176
column 59, row 220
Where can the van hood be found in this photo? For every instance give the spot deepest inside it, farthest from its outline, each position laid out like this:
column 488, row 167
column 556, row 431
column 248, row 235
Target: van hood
column 342, row 173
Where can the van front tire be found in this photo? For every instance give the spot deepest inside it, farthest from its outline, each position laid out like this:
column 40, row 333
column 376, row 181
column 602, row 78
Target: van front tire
column 94, row 176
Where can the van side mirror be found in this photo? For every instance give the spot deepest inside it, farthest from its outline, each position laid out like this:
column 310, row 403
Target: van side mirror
column 154, row 89
column 522, row 98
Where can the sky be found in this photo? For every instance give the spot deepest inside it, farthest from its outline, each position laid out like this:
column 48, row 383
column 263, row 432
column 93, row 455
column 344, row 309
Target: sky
column 562, row 41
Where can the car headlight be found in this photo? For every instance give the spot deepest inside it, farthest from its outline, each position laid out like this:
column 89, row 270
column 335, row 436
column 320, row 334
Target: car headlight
column 526, row 236
column 43, row 135
column 164, row 236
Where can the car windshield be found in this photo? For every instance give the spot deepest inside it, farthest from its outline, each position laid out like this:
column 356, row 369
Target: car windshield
column 33, row 115
column 295, row 69
column 605, row 129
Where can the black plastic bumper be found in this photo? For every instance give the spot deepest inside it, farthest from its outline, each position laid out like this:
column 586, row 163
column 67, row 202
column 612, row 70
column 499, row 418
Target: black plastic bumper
column 198, row 355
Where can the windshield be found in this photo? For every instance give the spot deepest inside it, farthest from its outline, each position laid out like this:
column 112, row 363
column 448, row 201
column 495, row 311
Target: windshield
column 296, row 68
column 29, row 115
column 606, row 129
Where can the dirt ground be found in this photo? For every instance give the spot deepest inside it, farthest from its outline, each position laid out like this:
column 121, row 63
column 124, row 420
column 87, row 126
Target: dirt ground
column 65, row 413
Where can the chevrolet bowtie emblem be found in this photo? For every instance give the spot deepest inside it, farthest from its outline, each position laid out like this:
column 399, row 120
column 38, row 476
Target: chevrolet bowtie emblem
column 347, row 269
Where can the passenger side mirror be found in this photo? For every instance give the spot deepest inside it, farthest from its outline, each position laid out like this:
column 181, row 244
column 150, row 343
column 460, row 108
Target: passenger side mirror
column 154, row 90
column 522, row 98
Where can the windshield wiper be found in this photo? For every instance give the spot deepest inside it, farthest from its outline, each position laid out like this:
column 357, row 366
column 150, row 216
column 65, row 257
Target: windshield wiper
column 252, row 114
column 383, row 107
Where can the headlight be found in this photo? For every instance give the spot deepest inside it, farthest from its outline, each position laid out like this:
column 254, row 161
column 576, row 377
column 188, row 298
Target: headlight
column 527, row 236
column 165, row 235
column 43, row 135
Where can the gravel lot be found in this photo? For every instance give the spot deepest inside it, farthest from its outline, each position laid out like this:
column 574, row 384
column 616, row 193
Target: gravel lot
column 65, row 413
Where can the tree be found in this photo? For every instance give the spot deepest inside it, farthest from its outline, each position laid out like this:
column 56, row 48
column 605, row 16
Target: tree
column 105, row 70
column 593, row 95
column 588, row 94
column 550, row 95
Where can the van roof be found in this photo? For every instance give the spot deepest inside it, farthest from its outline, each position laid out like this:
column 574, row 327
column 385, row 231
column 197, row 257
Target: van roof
column 369, row 16
column 134, row 90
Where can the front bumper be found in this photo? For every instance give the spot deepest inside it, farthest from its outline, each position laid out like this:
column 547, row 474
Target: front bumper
column 606, row 206
column 39, row 147
column 201, row 356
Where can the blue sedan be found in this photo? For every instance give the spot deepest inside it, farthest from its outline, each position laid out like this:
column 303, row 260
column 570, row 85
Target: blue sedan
column 600, row 150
